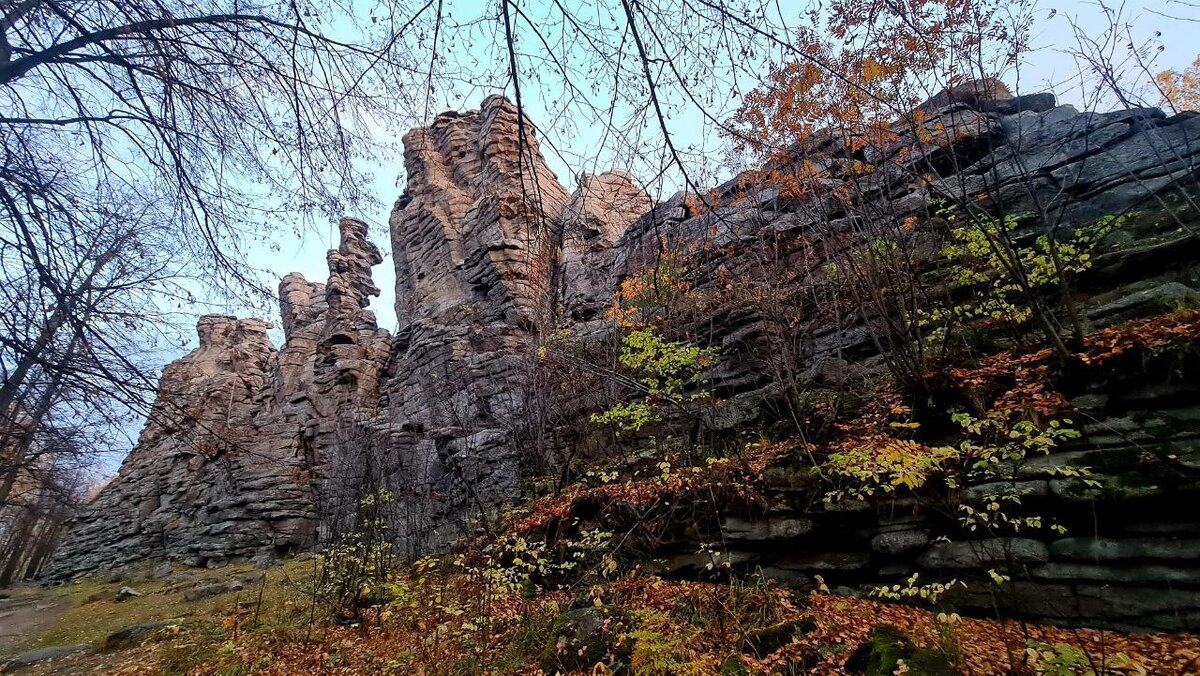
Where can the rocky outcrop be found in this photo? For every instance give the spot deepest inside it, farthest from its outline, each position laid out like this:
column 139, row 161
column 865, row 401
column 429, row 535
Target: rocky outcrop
column 600, row 210
column 197, row 487
column 250, row 448
column 482, row 236
column 228, row 466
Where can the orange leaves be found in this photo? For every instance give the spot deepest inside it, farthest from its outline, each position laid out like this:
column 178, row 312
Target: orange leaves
column 1020, row 383
column 505, row 633
column 873, row 70
column 1181, row 89
column 739, row 474
column 863, row 65
column 986, row 646
column 1151, row 334
column 642, row 295
column 1012, row 385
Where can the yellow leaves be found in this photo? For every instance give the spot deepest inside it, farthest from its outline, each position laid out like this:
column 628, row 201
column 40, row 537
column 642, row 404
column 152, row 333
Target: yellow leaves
column 948, row 618
column 873, row 70
column 1181, row 89
column 890, row 465
column 822, row 588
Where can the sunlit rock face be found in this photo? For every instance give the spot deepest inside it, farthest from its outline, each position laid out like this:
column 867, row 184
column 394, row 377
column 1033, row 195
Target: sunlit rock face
column 479, row 218
column 251, row 450
column 601, row 208
column 475, row 238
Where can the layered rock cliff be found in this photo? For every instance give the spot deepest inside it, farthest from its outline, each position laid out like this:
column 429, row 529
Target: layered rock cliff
column 227, row 466
column 248, row 445
column 250, row 449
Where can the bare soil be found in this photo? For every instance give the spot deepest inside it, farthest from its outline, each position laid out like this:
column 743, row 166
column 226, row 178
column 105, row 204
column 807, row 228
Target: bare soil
column 27, row 610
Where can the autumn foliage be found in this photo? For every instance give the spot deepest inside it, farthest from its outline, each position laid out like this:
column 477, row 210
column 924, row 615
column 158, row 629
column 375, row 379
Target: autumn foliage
column 863, row 65
column 1181, row 89
column 686, row 627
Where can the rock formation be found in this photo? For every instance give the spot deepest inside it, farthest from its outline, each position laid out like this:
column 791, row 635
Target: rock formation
column 224, row 468
column 247, row 445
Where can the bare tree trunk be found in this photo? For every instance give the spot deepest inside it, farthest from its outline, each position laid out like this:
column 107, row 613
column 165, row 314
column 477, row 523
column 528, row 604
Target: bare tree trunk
column 37, row 415
column 19, row 543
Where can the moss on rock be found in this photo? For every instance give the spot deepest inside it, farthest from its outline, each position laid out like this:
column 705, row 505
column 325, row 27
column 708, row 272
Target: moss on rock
column 763, row 642
column 881, row 654
column 581, row 638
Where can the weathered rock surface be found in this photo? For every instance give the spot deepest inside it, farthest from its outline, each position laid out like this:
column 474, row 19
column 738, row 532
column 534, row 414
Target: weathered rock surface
column 216, row 589
column 227, row 466
column 42, row 655
column 249, row 447
column 134, row 634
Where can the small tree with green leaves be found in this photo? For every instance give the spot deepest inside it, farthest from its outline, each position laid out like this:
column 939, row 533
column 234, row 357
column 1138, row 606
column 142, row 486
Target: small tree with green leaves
column 666, row 373
column 1012, row 280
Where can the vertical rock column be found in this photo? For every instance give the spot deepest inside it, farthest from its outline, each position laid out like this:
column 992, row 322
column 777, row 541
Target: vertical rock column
column 476, row 238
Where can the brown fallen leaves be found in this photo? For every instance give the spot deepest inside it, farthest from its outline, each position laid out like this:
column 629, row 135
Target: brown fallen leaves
column 739, row 473
column 418, row 643
column 986, row 647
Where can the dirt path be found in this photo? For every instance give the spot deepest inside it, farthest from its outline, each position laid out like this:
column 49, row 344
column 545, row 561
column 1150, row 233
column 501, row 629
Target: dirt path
column 27, row 609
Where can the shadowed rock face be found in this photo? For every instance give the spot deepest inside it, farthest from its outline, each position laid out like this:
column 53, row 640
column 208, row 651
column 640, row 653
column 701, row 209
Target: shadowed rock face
column 248, row 446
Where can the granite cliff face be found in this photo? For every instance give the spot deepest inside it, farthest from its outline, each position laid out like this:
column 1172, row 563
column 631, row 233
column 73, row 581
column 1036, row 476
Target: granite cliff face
column 492, row 253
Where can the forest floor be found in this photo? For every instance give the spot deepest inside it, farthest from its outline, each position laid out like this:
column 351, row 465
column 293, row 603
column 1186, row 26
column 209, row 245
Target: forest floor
column 266, row 627
column 38, row 619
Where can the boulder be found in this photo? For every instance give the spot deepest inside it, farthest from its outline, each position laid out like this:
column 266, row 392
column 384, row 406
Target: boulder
column 132, row 635
column 901, row 541
column 777, row 528
column 887, row 647
column 43, row 655
column 825, row 561
column 763, row 642
column 1116, row 549
column 205, row 591
column 126, row 593
column 581, row 638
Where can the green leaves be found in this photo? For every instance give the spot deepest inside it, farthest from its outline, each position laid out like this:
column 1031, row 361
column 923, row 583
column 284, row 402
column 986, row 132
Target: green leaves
column 991, row 257
column 666, row 365
column 665, row 369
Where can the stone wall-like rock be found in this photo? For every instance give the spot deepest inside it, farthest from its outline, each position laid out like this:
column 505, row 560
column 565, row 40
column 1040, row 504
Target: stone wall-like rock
column 1130, row 556
column 1128, row 559
column 491, row 250
column 227, row 466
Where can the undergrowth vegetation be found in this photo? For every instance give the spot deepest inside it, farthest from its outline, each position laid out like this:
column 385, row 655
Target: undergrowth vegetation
column 574, row 581
column 445, row 621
